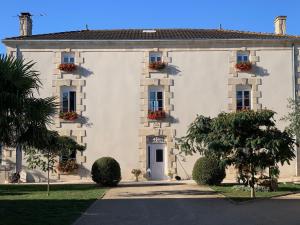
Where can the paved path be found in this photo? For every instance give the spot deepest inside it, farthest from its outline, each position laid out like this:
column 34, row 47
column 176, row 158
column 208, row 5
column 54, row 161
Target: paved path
column 185, row 204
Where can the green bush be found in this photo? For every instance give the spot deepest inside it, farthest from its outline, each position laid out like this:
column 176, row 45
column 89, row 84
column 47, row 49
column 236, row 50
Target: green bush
column 106, row 171
column 208, row 170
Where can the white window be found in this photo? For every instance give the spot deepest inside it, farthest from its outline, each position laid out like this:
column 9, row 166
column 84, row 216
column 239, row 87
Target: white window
column 68, row 99
column 68, row 58
column 155, row 57
column 156, row 102
column 243, row 57
column 243, row 98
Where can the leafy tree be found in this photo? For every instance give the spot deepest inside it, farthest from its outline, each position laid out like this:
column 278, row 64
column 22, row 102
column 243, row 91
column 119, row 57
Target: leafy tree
column 293, row 118
column 22, row 114
column 243, row 138
column 44, row 152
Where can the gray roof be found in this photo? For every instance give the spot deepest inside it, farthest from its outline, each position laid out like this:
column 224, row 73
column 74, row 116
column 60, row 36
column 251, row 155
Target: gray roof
column 153, row 34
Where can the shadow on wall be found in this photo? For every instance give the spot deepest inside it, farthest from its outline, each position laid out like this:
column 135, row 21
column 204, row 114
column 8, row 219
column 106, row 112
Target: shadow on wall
column 85, row 120
column 84, row 72
column 173, row 70
column 260, row 71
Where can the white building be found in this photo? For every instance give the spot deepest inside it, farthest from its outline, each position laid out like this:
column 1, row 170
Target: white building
column 113, row 88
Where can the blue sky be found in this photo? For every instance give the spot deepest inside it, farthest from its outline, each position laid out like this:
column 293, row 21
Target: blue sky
column 254, row 15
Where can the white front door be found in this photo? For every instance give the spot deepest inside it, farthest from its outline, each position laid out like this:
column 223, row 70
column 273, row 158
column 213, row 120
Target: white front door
column 156, row 161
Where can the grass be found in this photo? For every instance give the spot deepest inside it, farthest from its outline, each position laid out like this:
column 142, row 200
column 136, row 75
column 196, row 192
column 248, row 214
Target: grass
column 30, row 205
column 239, row 196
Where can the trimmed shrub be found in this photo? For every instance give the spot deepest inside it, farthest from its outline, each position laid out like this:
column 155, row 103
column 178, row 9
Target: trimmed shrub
column 208, row 170
column 106, row 171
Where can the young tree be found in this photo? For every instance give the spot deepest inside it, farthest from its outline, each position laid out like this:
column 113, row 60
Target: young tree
column 44, row 152
column 245, row 138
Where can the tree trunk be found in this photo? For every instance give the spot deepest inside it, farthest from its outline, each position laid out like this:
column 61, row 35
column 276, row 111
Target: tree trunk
column 252, row 183
column 18, row 158
column 48, row 180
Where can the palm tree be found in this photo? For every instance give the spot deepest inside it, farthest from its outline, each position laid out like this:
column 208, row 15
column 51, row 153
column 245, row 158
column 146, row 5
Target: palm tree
column 22, row 114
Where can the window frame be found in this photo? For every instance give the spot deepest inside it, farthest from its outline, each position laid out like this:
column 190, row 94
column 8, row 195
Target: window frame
column 243, row 55
column 243, row 98
column 156, row 103
column 70, row 56
column 155, row 56
column 71, row 103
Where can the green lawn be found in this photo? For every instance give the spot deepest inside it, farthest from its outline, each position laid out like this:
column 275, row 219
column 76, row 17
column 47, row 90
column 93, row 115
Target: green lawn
column 226, row 190
column 30, row 205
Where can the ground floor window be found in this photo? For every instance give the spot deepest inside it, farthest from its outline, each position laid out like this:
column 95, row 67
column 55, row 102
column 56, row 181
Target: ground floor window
column 243, row 98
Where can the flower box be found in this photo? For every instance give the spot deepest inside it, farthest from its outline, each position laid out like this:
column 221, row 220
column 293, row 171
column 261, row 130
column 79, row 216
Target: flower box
column 156, row 115
column 157, row 65
column 71, row 116
column 68, row 166
column 67, row 67
column 243, row 66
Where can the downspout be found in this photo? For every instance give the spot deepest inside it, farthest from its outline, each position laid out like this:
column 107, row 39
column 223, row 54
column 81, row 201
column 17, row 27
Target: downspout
column 294, row 96
column 293, row 72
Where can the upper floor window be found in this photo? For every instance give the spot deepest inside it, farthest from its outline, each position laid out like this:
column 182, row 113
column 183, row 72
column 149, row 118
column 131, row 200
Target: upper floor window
column 242, row 57
column 155, row 57
column 68, row 99
column 68, row 58
column 243, row 98
column 156, row 99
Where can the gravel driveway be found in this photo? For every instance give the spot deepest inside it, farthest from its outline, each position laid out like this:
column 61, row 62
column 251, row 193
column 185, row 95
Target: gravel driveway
column 185, row 204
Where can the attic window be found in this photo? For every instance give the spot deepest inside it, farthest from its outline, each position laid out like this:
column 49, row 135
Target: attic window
column 149, row 31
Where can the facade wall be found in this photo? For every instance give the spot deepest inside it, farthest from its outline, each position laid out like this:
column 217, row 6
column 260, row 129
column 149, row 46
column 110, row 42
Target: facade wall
column 113, row 83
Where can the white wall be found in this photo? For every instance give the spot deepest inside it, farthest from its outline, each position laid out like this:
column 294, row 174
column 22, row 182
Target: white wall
column 200, row 87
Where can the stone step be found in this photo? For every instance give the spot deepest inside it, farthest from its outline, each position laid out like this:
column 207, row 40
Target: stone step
column 296, row 180
column 69, row 177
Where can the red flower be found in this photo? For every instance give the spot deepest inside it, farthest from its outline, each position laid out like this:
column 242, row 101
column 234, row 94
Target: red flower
column 243, row 66
column 157, row 65
column 68, row 67
column 71, row 116
column 156, row 115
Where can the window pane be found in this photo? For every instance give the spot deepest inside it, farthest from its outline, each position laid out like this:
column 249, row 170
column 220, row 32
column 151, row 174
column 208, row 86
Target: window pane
column 152, row 96
column 152, row 59
column 247, row 103
column 239, row 94
column 239, row 58
column 159, row 95
column 246, row 94
column 66, row 60
column 65, row 102
column 245, row 58
column 71, row 60
column 158, row 59
column 72, row 101
column 159, row 155
column 160, row 104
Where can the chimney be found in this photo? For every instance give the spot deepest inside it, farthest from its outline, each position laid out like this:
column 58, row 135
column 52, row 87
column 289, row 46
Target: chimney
column 25, row 24
column 280, row 25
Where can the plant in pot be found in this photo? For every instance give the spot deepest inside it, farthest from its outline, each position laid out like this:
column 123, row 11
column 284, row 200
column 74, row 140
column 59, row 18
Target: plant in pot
column 156, row 115
column 158, row 65
column 243, row 66
column 71, row 116
column 67, row 166
column 136, row 173
column 67, row 67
